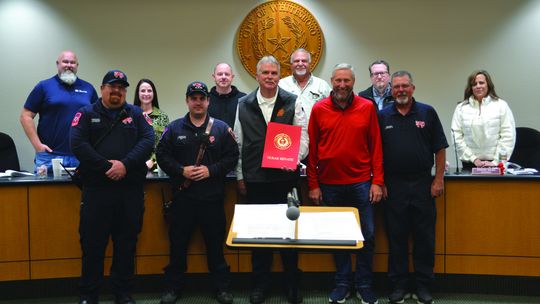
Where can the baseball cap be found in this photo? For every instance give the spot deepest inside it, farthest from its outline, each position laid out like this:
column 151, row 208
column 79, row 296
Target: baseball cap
column 115, row 76
column 197, row 87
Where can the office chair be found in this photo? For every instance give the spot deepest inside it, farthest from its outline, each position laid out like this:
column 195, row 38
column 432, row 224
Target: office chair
column 8, row 154
column 527, row 149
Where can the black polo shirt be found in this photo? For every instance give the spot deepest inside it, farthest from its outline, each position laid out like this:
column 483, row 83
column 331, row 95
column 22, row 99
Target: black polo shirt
column 410, row 141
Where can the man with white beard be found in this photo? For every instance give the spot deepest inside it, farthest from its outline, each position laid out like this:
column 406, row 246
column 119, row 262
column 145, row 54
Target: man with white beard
column 302, row 83
column 56, row 100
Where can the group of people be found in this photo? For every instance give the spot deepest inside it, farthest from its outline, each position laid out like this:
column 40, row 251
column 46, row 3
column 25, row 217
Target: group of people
column 378, row 145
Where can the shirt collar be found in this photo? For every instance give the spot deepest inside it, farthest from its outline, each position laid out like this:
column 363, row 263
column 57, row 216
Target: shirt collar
column 263, row 100
column 376, row 92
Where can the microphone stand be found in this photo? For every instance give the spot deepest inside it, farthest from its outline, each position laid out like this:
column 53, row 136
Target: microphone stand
column 455, row 151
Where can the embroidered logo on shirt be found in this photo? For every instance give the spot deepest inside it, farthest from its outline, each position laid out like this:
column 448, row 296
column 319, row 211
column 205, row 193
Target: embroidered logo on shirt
column 95, row 120
column 281, row 112
column 211, row 139
column 127, row 120
column 420, row 124
column 80, row 91
column 388, row 127
column 76, row 119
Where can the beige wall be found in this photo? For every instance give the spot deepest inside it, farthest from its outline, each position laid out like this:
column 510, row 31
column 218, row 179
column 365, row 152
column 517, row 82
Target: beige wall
column 176, row 42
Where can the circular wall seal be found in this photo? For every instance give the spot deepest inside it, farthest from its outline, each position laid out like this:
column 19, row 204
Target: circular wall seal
column 282, row 141
column 278, row 28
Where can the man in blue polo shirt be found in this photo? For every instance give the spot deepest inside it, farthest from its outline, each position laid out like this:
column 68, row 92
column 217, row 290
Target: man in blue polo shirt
column 412, row 137
column 56, row 100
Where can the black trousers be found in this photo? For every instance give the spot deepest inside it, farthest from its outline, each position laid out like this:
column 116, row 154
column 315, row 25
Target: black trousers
column 410, row 211
column 109, row 211
column 186, row 215
column 261, row 259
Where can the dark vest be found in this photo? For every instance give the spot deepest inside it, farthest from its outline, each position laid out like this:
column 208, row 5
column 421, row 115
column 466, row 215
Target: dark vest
column 254, row 133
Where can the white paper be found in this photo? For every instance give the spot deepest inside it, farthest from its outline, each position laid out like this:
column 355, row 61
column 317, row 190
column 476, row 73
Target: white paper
column 522, row 171
column 329, row 226
column 262, row 221
column 13, row 173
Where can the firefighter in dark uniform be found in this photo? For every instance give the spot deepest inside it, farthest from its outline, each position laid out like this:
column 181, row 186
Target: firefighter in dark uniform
column 198, row 189
column 413, row 141
column 112, row 141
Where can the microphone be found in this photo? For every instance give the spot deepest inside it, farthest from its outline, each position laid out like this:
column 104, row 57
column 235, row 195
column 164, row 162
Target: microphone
column 455, row 151
column 292, row 202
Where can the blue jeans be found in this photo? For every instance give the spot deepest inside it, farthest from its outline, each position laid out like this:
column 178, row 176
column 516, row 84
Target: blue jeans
column 45, row 158
column 354, row 195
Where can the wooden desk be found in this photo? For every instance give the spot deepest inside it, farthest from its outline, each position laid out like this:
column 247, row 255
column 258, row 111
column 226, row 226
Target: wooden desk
column 485, row 225
column 303, row 209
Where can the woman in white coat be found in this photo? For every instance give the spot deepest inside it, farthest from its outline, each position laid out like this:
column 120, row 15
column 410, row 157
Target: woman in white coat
column 483, row 125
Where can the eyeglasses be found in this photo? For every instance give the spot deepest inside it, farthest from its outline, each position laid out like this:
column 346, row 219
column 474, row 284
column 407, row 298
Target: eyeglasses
column 378, row 74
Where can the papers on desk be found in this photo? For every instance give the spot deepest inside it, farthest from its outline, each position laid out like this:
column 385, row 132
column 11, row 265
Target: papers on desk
column 262, row 221
column 329, row 226
column 522, row 171
column 13, row 173
column 270, row 221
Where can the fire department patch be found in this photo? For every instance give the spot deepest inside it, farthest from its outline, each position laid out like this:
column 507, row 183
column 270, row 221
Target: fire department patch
column 76, row 119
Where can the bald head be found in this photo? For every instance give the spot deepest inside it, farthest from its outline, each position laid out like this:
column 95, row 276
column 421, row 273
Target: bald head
column 67, row 61
column 223, row 76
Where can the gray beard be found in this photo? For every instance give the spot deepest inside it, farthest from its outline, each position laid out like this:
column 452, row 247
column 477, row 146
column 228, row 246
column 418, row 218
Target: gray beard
column 68, row 77
column 402, row 100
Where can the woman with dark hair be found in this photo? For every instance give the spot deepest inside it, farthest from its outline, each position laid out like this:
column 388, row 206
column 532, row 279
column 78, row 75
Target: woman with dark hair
column 146, row 98
column 483, row 125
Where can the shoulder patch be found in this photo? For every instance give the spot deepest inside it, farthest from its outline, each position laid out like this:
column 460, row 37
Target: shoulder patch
column 76, row 119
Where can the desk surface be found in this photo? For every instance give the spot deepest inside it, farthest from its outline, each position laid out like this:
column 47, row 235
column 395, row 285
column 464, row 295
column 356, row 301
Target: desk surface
column 359, row 244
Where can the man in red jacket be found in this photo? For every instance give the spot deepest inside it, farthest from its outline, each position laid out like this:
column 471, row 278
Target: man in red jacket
column 345, row 169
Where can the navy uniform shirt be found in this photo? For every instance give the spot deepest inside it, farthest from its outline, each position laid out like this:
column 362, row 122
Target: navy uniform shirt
column 410, row 141
column 179, row 147
column 130, row 141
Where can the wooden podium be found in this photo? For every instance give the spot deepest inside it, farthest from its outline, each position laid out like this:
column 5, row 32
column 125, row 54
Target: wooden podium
column 295, row 243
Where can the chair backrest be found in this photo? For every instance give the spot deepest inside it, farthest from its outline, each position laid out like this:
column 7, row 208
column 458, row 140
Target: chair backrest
column 9, row 159
column 527, row 150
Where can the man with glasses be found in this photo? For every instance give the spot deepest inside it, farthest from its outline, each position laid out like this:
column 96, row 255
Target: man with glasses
column 112, row 140
column 379, row 92
column 413, row 141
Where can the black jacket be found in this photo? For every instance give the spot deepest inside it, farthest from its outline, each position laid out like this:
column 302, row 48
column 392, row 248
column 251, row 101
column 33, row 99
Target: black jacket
column 130, row 141
column 223, row 107
column 179, row 147
column 368, row 94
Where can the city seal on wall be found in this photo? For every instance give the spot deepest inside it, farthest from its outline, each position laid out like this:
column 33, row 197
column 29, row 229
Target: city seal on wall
column 278, row 28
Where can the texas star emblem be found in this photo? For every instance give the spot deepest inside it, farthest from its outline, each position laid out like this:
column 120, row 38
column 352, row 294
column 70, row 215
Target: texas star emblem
column 282, row 141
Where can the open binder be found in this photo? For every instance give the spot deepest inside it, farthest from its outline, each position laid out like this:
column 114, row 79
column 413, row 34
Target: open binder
column 317, row 227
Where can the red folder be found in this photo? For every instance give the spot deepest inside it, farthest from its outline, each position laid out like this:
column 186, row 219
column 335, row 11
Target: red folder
column 281, row 146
